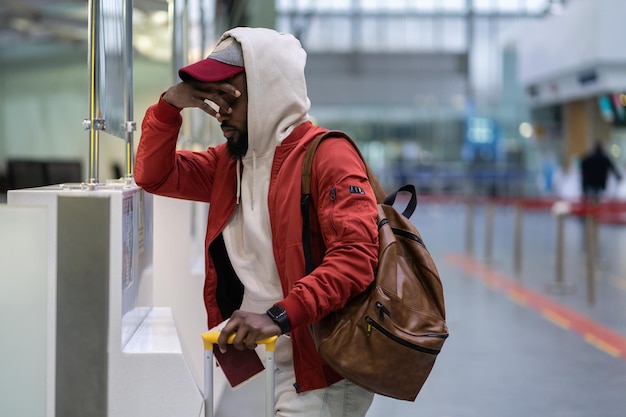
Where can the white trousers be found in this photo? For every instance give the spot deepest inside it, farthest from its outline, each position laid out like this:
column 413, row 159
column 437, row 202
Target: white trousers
column 342, row 399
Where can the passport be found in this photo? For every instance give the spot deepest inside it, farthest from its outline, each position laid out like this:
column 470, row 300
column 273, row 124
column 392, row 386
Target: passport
column 238, row 366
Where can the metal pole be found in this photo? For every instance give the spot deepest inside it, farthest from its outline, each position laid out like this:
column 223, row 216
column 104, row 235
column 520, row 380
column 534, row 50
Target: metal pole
column 561, row 210
column 596, row 237
column 94, row 123
column 517, row 243
column 128, row 57
column 489, row 230
column 270, row 388
column 590, row 246
column 177, row 10
column 560, row 232
column 469, row 226
column 208, row 382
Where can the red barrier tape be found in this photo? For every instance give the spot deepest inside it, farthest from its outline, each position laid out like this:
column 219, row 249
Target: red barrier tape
column 606, row 211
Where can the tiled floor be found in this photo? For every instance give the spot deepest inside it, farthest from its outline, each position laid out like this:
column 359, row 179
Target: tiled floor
column 519, row 346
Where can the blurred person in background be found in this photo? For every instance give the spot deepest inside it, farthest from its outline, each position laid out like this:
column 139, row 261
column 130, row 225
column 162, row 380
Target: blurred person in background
column 595, row 167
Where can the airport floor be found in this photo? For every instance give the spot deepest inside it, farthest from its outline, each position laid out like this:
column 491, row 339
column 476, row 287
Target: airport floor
column 522, row 344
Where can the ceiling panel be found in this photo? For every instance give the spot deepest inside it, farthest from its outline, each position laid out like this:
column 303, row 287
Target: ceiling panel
column 27, row 25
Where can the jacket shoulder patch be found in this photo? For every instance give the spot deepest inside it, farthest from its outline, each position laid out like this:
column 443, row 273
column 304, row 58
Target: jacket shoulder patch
column 356, row 190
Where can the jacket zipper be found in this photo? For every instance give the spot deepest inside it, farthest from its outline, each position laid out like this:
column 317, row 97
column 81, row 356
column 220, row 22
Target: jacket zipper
column 372, row 323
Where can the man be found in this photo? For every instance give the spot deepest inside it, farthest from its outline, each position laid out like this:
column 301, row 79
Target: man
column 595, row 168
column 255, row 272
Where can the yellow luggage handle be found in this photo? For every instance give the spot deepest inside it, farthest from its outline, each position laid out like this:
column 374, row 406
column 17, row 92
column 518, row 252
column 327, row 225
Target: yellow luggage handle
column 210, row 339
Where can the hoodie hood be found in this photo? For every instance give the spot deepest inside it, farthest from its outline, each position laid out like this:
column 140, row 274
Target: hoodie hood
column 277, row 96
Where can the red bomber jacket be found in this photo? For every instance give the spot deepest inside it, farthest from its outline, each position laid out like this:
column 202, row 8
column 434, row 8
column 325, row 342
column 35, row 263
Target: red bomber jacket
column 344, row 228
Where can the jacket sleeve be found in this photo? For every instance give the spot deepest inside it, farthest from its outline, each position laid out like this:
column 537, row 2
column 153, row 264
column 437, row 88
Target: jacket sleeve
column 161, row 169
column 347, row 213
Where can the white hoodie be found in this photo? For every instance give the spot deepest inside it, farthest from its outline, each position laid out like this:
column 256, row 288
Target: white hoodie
column 277, row 103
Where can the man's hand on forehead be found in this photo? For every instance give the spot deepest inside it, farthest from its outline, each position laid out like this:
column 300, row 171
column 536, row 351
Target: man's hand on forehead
column 220, row 87
column 221, row 94
column 201, row 95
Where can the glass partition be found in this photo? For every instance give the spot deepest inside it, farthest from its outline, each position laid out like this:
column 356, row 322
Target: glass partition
column 110, row 66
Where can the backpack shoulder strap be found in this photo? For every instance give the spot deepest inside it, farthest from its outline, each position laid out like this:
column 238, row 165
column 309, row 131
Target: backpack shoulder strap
column 307, row 164
column 305, row 200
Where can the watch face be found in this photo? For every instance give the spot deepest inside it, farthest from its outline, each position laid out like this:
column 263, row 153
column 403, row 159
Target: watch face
column 279, row 315
column 276, row 311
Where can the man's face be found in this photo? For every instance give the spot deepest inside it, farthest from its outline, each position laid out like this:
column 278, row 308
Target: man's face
column 235, row 124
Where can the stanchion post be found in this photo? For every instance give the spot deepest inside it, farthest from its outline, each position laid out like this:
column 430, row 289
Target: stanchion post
column 591, row 250
column 469, row 226
column 517, row 243
column 489, row 230
column 560, row 209
column 560, row 237
column 596, row 237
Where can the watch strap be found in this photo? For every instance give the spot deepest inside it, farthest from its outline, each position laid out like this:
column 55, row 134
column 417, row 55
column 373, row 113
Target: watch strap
column 279, row 316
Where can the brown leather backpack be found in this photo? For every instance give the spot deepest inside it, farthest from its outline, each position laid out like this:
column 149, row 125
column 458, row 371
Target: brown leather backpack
column 386, row 339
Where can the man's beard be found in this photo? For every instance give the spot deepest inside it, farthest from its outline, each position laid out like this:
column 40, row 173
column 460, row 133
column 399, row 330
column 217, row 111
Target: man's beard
column 238, row 148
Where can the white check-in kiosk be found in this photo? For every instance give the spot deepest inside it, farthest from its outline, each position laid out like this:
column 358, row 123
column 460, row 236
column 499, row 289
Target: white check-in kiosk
column 105, row 350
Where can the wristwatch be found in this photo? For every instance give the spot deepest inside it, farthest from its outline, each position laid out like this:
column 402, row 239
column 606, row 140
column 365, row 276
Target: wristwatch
column 279, row 316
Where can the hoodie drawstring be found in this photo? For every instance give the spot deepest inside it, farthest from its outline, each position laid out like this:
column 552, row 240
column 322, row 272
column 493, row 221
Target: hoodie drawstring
column 238, row 179
column 253, row 177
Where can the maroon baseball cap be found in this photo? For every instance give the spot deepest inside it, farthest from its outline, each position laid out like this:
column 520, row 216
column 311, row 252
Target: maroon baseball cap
column 224, row 62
